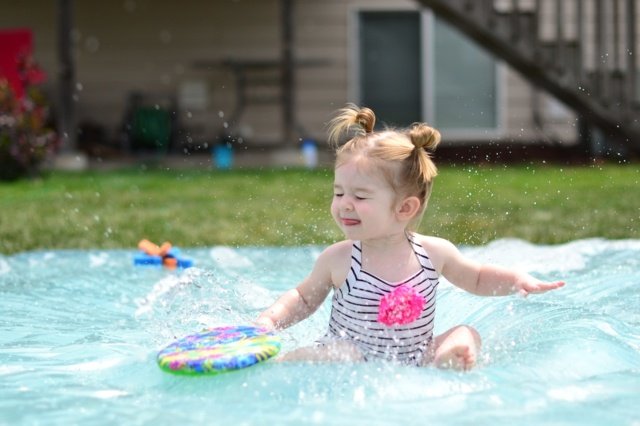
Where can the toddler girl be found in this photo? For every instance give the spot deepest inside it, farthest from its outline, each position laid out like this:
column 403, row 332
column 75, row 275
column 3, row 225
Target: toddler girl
column 384, row 275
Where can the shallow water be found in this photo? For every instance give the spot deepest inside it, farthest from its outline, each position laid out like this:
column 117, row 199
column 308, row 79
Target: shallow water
column 79, row 331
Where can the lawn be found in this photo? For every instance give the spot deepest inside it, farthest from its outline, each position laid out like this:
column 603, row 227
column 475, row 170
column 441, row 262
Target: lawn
column 470, row 205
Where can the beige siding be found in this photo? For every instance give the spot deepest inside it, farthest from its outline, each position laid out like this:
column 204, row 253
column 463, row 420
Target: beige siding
column 152, row 46
column 321, row 34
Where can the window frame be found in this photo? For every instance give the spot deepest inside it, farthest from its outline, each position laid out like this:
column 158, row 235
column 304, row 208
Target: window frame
column 427, row 26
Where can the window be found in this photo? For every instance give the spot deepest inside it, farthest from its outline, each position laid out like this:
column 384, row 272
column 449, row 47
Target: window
column 413, row 67
column 464, row 84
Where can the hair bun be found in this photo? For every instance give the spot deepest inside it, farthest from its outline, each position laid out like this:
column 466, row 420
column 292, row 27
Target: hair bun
column 366, row 119
column 424, row 136
column 351, row 119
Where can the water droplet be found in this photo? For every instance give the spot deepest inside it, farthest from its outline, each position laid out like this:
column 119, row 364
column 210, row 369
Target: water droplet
column 92, row 44
column 130, row 6
column 165, row 36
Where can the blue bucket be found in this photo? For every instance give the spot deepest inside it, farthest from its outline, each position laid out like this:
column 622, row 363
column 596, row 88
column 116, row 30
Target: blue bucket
column 223, row 156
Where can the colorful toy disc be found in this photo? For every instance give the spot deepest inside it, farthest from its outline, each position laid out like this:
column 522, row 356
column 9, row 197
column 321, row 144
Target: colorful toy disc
column 219, row 349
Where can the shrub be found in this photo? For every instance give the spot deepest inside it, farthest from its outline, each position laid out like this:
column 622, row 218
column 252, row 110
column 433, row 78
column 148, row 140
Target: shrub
column 26, row 137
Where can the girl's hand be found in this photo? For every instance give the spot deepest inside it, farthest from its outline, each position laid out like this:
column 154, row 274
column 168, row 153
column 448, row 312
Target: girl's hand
column 534, row 285
column 265, row 322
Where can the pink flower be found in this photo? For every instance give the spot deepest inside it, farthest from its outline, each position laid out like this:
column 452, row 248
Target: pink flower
column 402, row 306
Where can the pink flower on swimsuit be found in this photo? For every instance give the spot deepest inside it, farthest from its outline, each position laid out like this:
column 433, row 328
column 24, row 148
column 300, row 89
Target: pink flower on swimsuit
column 402, row 306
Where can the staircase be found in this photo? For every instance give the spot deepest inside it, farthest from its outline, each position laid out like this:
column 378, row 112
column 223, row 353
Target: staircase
column 584, row 52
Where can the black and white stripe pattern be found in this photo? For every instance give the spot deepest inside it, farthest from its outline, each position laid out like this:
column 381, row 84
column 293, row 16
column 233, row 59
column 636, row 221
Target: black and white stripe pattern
column 354, row 311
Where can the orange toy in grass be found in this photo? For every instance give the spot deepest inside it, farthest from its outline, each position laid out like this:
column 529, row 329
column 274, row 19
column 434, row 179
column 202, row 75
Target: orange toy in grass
column 165, row 255
column 153, row 249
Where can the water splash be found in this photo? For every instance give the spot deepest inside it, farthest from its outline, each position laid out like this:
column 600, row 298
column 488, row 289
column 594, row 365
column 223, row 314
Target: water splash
column 80, row 330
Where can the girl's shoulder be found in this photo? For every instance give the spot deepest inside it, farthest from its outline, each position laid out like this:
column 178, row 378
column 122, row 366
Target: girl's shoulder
column 338, row 250
column 438, row 249
column 429, row 241
column 337, row 259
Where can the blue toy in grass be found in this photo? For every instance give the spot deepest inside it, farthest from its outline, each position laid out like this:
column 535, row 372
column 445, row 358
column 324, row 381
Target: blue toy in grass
column 164, row 255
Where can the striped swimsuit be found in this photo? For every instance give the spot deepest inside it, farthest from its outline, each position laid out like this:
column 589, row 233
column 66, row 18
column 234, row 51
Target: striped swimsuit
column 354, row 312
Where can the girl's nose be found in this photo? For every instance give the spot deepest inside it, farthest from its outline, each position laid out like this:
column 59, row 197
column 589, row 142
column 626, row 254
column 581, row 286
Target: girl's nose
column 346, row 204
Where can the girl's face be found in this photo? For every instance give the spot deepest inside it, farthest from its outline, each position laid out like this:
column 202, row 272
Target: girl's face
column 363, row 203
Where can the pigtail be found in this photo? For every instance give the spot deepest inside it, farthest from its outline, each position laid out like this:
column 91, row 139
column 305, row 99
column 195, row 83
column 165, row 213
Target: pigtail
column 423, row 136
column 422, row 170
column 351, row 118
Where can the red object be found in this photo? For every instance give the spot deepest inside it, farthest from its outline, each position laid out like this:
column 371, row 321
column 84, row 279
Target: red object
column 402, row 306
column 15, row 45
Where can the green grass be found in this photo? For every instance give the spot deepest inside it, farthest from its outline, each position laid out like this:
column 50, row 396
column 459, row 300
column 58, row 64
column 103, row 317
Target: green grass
column 470, row 205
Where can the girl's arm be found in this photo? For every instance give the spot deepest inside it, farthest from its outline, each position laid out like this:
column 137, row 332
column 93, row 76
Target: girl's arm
column 300, row 302
column 495, row 280
column 483, row 279
column 289, row 309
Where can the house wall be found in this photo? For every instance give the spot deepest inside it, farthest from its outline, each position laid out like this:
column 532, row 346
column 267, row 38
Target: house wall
column 516, row 94
column 154, row 47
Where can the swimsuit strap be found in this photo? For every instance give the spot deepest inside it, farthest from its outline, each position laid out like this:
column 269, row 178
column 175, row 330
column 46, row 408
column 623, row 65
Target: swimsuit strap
column 420, row 252
column 356, row 257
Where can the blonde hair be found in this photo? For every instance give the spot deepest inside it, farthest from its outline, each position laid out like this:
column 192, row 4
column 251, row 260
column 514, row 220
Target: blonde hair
column 402, row 155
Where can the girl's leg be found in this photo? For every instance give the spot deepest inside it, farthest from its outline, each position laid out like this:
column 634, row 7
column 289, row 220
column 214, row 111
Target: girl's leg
column 334, row 351
column 458, row 348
